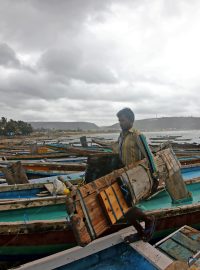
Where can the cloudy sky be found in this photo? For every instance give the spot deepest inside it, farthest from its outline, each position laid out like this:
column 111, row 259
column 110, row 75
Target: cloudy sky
column 83, row 60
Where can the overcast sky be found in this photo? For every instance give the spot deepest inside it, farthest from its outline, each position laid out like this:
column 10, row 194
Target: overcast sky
column 83, row 60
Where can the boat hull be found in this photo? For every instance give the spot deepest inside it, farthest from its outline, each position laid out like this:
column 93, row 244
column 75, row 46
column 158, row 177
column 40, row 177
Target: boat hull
column 35, row 240
column 170, row 222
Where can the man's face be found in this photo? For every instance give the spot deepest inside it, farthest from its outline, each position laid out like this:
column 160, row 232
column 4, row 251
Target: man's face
column 125, row 123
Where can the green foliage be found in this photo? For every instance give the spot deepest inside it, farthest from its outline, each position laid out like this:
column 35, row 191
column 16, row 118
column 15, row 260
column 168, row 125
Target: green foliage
column 11, row 127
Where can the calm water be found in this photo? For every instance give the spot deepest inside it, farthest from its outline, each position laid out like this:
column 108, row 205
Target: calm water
column 189, row 136
column 193, row 135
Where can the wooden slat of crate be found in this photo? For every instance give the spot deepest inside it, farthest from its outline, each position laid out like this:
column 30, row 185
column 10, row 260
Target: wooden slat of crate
column 114, row 203
column 107, row 207
column 115, row 207
column 121, row 198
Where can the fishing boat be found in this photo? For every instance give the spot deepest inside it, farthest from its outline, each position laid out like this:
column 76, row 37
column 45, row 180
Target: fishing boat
column 179, row 250
column 33, row 232
column 75, row 177
column 108, row 252
column 36, row 188
column 45, row 226
column 30, row 156
column 189, row 160
column 80, row 151
column 47, row 168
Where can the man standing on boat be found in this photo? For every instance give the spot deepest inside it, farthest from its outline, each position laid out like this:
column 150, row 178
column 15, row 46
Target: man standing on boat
column 131, row 147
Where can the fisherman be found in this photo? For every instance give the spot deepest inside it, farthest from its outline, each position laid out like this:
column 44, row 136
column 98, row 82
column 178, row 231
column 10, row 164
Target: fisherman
column 130, row 153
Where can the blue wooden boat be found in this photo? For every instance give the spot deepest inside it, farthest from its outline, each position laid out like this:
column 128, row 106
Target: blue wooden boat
column 108, row 252
column 36, row 187
column 189, row 172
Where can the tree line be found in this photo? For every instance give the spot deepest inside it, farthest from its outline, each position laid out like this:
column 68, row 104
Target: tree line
column 11, row 127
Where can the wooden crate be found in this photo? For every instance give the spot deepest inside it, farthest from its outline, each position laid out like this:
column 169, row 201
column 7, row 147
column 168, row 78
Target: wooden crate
column 88, row 217
column 113, row 203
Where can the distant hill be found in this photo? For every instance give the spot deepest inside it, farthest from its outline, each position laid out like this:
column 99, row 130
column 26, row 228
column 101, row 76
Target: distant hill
column 65, row 125
column 164, row 123
column 153, row 124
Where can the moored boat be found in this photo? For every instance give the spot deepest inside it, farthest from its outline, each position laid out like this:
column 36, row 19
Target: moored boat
column 80, row 151
column 47, row 168
column 23, row 222
column 108, row 252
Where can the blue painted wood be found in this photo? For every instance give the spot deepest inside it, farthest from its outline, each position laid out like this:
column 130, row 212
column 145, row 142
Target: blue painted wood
column 21, row 194
column 187, row 242
column 182, row 244
column 191, row 172
column 175, row 250
column 119, row 257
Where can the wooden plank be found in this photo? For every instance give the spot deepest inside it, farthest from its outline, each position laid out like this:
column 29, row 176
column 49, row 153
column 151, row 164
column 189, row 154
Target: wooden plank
column 175, row 250
column 187, row 242
column 191, row 233
column 113, row 203
column 139, row 182
column 29, row 203
column 120, row 197
column 177, row 265
column 153, row 255
column 169, row 236
column 107, row 207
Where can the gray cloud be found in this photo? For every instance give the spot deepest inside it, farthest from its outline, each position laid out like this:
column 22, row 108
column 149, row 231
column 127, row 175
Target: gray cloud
column 36, row 24
column 74, row 63
column 8, row 56
column 65, row 60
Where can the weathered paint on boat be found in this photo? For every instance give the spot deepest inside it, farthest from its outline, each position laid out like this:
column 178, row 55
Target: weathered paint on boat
column 190, row 172
column 36, row 156
column 35, row 239
column 72, row 177
column 34, row 187
column 48, row 168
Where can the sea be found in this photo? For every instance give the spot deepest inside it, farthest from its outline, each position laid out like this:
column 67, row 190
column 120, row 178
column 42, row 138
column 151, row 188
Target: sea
column 180, row 136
